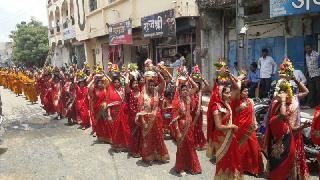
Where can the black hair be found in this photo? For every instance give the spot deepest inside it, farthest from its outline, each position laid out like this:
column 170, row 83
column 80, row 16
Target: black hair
column 307, row 44
column 243, row 87
column 254, row 64
column 265, row 50
column 178, row 56
column 115, row 79
column 182, row 86
column 132, row 81
column 225, row 88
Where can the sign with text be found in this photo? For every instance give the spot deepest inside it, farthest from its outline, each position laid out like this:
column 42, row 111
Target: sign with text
column 293, row 7
column 69, row 33
column 120, row 33
column 161, row 24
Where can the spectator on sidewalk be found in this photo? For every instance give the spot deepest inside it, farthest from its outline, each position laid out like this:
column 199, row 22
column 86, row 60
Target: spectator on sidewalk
column 253, row 79
column 300, row 77
column 268, row 68
column 175, row 66
column 235, row 70
column 313, row 74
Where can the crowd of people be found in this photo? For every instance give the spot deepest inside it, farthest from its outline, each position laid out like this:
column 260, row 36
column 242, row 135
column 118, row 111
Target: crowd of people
column 133, row 112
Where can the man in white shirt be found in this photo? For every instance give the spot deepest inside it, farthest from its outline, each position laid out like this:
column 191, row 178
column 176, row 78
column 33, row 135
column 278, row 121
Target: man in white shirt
column 267, row 67
column 300, row 77
column 313, row 71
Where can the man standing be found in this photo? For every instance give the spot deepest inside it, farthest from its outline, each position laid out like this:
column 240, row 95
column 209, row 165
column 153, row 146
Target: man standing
column 253, row 79
column 175, row 66
column 268, row 68
column 313, row 74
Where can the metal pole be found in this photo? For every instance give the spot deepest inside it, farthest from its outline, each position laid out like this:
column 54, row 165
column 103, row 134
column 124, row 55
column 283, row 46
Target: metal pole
column 240, row 40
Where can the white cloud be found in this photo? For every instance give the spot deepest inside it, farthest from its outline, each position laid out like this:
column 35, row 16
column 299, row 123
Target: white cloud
column 15, row 11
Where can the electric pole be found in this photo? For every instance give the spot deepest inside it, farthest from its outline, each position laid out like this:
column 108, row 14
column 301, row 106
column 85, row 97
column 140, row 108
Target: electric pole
column 240, row 40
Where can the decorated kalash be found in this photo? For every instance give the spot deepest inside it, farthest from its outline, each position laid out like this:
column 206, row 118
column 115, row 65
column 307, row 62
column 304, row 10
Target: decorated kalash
column 136, row 113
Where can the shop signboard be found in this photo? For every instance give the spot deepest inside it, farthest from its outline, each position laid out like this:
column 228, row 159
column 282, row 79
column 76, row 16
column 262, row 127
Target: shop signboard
column 293, row 7
column 69, row 33
column 120, row 33
column 161, row 24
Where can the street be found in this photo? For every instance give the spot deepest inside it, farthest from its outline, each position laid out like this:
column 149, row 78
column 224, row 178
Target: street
column 39, row 147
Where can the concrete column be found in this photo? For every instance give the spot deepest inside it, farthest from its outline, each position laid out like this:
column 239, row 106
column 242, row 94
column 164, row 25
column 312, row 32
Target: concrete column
column 212, row 39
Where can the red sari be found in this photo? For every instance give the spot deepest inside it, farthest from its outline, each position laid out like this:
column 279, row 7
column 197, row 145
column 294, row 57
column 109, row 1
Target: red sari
column 315, row 132
column 153, row 147
column 136, row 136
column 294, row 119
column 251, row 157
column 186, row 156
column 280, row 145
column 67, row 98
column 82, row 105
column 56, row 94
column 103, row 127
column 48, row 98
column 222, row 145
column 119, row 114
column 197, row 121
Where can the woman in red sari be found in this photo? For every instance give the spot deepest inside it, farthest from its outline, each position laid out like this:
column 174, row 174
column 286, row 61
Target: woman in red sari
column 56, row 94
column 133, row 93
column 251, row 157
column 282, row 135
column 315, row 132
column 68, row 99
column 222, row 140
column 186, row 156
column 103, row 127
column 47, row 95
column 197, row 112
column 82, row 101
column 149, row 119
column 118, row 113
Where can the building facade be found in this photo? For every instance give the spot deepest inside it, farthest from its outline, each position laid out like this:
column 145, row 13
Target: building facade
column 282, row 31
column 92, row 21
column 62, row 33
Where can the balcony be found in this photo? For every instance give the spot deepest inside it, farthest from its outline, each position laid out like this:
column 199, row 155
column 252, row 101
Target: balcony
column 215, row 4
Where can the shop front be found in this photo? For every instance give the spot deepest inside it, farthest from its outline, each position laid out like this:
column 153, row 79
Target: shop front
column 170, row 36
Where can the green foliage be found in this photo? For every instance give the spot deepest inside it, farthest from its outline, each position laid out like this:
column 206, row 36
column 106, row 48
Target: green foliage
column 30, row 43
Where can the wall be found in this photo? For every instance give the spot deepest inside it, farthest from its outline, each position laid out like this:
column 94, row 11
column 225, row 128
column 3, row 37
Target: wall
column 121, row 10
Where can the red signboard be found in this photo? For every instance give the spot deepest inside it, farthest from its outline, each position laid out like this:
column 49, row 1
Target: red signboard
column 120, row 33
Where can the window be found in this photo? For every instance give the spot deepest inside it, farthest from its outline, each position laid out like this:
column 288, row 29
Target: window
column 93, row 5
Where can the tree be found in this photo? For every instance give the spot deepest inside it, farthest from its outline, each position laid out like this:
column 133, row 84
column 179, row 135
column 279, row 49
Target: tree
column 30, row 43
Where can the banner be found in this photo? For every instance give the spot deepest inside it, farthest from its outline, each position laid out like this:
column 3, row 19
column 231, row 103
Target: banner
column 293, row 7
column 161, row 24
column 120, row 33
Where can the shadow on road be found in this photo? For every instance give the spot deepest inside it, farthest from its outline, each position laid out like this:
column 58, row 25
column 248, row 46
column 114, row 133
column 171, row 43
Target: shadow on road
column 3, row 150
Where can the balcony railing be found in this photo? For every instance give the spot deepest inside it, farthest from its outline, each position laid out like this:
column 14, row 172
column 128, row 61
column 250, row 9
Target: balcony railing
column 215, row 4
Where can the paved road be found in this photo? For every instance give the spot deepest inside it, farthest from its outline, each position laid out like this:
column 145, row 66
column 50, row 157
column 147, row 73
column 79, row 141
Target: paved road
column 39, row 147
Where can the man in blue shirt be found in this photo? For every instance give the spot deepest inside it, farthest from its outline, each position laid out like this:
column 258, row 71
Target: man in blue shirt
column 175, row 66
column 253, row 79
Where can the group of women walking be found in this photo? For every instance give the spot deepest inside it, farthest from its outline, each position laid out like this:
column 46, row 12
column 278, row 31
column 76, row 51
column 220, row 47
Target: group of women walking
column 134, row 113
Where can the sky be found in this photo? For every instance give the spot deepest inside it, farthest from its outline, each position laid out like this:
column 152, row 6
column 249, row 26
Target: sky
column 13, row 12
